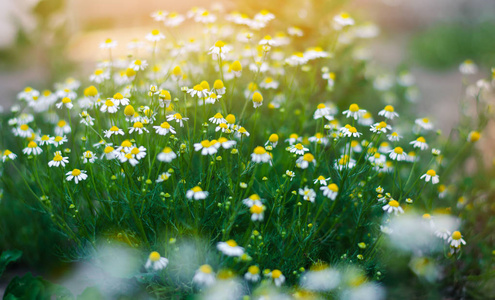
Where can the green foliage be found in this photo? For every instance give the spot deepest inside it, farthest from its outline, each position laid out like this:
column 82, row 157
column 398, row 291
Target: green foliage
column 447, row 45
column 7, row 257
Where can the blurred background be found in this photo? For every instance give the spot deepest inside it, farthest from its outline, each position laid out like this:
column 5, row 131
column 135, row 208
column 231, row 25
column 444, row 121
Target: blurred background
column 42, row 41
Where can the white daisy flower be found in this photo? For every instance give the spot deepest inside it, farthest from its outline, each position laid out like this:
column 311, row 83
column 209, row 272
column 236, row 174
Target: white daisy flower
column 431, row 175
column 253, row 274
column 196, row 193
column 331, row 191
column 456, row 240
column 114, row 130
column 59, row 140
column 164, row 129
column 349, row 131
column 342, row 20
column 206, row 147
column 252, row 200
column 163, row 177
column 178, row 118
column 225, row 143
column 138, row 65
column 321, row 180
column 393, row 207
column 109, row 106
column 204, row 276
column 7, row 154
column 308, row 194
column 99, row 76
column 388, row 112
column 468, row 67
column 77, row 175
column 380, row 127
column 298, row 149
column 230, row 248
column 32, row 148
column 304, row 161
column 397, row 154
column 420, row 143
column 66, row 101
column 155, row 262
column 277, row 276
column 88, row 156
column 58, row 160
column 354, row 112
column 260, row 155
column 322, row 111
column 110, row 153
column 108, row 44
column 155, row 36
column 424, row 123
column 138, row 127
column 167, row 155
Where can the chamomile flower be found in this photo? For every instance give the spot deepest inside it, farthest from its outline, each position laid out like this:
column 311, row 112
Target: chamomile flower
column 319, row 138
column 257, row 212
column 350, row 131
column 295, row 31
column 8, row 155
column 164, row 129
column 468, row 67
column 420, row 143
column 138, row 127
column 177, row 118
column 296, row 59
column 394, row 137
column 109, row 152
column 272, row 140
column 253, row 274
column 308, row 194
column 252, row 200
column 156, row 262
column 223, row 127
column 304, row 161
column 236, row 68
column 23, row 131
column 114, row 130
column 225, row 143
column 155, row 36
column 212, row 98
column 298, row 149
column 109, row 106
column 99, row 75
column 77, row 175
column 59, row 140
column 366, row 119
column 393, row 207
column 32, row 148
column 199, row 91
column 322, row 111
column 205, row 17
column 174, row 19
column 86, row 119
column 58, row 160
column 220, row 48
column 167, row 155
column 397, row 154
column 88, row 156
column 204, row 276
column 277, row 276
column 108, row 44
column 431, row 175
column 257, row 100
column 342, row 20
column 331, row 191
column 217, row 119
column 163, row 177
column 354, row 112
column 206, row 147
column 388, row 112
column 66, row 101
column 424, row 123
column 260, row 155
column 473, row 136
column 456, row 240
column 196, row 193
column 380, row 127
column 321, row 180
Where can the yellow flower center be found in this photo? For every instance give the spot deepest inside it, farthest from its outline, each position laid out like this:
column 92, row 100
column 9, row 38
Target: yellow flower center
column 398, row 150
column 231, row 243
column 167, row 150
column 276, row 274
column 205, row 144
column 66, row 100
column 165, row 125
column 138, row 125
column 155, row 32
column 333, row 187
column 354, row 107
column 154, row 256
column 76, row 172
column 431, row 172
column 256, row 209
column 254, row 197
column 254, row 270
column 109, row 103
column 24, row 127
column 308, row 157
column 257, row 97
column 230, row 118
column 259, row 150
column 196, row 189
column 389, row 108
column 393, row 203
column 321, row 106
column 177, row 116
column 32, row 144
column 57, row 157
column 206, row 269
column 219, row 44
column 456, row 235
